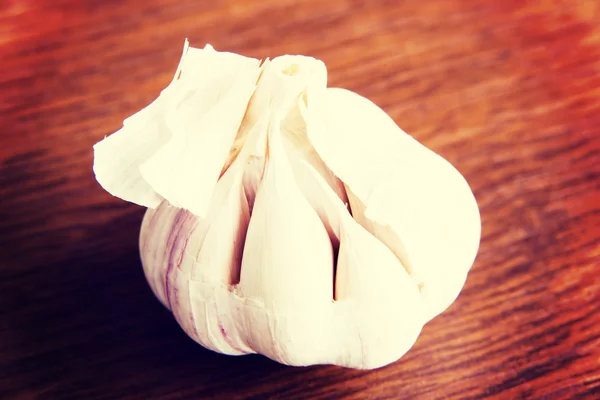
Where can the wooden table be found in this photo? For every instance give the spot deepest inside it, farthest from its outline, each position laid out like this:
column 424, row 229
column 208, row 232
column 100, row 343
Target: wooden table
column 508, row 91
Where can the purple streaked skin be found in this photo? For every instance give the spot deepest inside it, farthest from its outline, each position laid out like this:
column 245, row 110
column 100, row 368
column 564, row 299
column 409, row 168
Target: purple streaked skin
column 227, row 338
column 152, row 248
column 182, row 227
column 175, row 233
column 167, row 233
column 181, row 249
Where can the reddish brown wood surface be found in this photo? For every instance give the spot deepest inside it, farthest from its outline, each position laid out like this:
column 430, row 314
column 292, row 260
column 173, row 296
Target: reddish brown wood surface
column 508, row 91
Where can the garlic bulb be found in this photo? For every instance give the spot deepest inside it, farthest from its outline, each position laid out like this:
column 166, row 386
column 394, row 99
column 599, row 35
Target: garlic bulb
column 286, row 218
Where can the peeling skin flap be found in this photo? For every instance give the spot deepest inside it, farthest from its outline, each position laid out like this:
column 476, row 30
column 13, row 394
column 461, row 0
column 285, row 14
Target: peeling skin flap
column 184, row 136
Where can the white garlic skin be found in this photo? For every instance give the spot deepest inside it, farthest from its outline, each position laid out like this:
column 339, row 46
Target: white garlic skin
column 290, row 219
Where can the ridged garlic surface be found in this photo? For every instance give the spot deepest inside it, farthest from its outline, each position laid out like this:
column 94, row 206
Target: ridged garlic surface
column 286, row 218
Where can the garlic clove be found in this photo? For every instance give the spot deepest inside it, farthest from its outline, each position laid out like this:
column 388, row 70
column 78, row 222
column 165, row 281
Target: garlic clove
column 219, row 259
column 224, row 230
column 413, row 200
column 283, row 225
column 277, row 267
column 386, row 307
column 287, row 268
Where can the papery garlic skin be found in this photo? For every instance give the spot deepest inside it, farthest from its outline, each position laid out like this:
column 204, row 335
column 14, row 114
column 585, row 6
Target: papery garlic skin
column 290, row 219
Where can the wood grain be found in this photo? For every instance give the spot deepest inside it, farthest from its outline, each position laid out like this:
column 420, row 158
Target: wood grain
column 507, row 91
